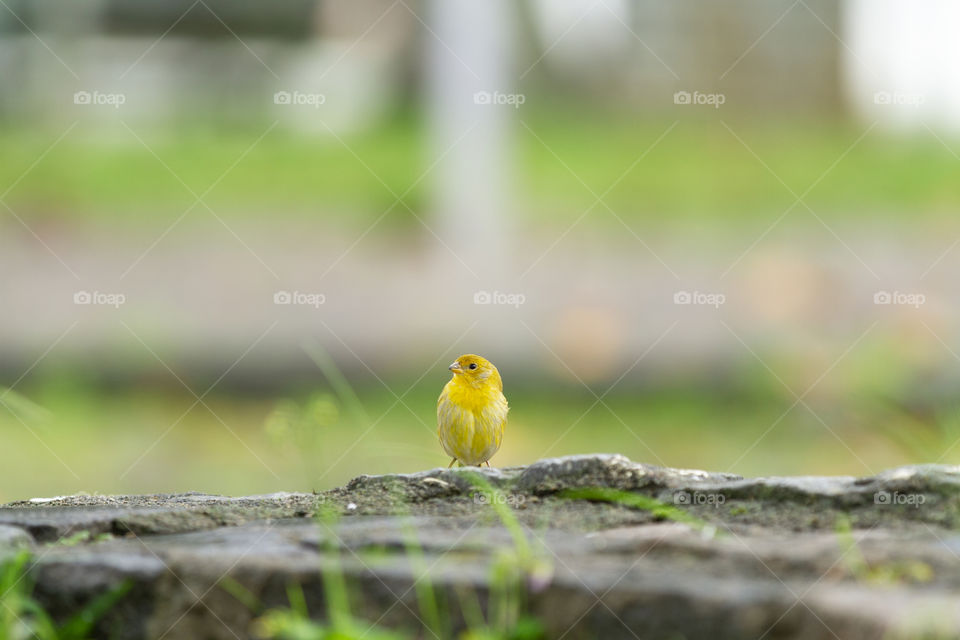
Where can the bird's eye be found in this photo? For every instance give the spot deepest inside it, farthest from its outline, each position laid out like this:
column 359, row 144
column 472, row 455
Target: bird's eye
column 473, row 365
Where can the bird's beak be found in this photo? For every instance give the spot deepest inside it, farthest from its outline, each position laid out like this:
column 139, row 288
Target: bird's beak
column 455, row 367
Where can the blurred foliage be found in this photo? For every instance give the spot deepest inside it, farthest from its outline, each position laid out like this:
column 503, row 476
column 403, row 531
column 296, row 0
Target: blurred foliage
column 885, row 573
column 23, row 618
column 300, row 429
column 22, row 407
column 930, row 438
column 514, row 572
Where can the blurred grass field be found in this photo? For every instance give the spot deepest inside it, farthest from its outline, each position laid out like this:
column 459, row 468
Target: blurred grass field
column 699, row 171
column 79, row 438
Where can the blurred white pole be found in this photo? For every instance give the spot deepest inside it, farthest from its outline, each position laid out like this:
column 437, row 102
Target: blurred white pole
column 468, row 65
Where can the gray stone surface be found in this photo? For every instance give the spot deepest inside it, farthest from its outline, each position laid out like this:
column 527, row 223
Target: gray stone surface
column 14, row 537
column 814, row 557
column 50, row 519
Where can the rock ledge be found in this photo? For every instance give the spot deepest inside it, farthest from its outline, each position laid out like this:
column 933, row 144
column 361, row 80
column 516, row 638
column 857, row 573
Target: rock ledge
column 811, row 557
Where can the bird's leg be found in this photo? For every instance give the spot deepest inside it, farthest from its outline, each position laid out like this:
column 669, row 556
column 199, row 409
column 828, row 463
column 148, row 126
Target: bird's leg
column 451, row 463
column 488, row 464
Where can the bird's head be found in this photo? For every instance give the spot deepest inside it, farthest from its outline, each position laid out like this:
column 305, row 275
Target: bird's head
column 475, row 371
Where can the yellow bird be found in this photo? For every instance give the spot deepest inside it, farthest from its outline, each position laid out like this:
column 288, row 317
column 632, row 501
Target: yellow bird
column 471, row 411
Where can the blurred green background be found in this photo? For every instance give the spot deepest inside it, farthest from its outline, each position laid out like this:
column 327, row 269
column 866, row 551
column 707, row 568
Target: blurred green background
column 157, row 152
